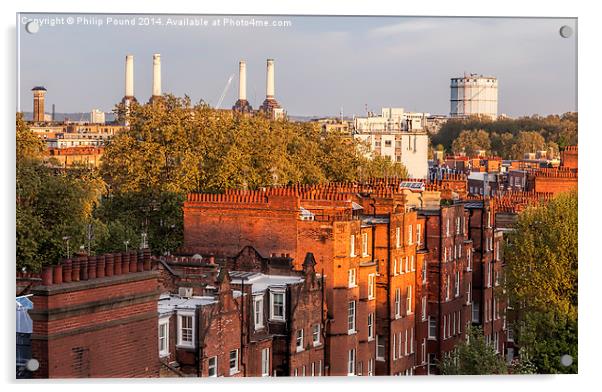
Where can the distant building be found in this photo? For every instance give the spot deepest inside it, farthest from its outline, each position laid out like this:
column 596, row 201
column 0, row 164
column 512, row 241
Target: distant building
column 474, row 95
column 39, row 97
column 97, row 116
column 398, row 135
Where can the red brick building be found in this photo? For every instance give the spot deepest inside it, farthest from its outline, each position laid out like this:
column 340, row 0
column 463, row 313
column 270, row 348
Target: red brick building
column 96, row 317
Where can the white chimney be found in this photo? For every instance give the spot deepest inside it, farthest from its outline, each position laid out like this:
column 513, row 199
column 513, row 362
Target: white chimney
column 242, row 81
column 129, row 76
column 270, row 80
column 156, row 75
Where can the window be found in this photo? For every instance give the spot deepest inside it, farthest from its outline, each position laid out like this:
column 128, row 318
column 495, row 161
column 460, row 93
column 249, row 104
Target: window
column 432, row 328
column 409, row 300
column 449, row 325
column 365, row 244
column 445, row 255
column 352, row 245
column 233, row 362
column 496, row 342
column 458, row 225
column 300, row 340
column 164, row 337
column 278, row 302
column 418, row 234
column 296, row 372
column 258, row 311
column 410, row 235
column 351, row 363
column 394, row 267
column 397, row 302
column 351, row 318
column 319, row 367
column 424, row 271
column 447, row 228
column 371, row 285
column 212, row 367
column 424, row 308
column 400, row 346
column 488, row 219
column 447, row 291
column 510, row 335
column 457, row 284
column 423, row 351
column 398, row 237
column 185, row 330
column 351, row 277
column 387, row 143
column 315, row 333
column 412, row 341
column 407, row 264
column 380, row 348
column 395, row 347
column 468, row 260
column 370, row 326
column 405, row 343
column 431, row 364
column 313, row 369
column 265, row 362
column 370, row 367
column 475, row 312
column 459, row 322
column 469, row 293
column 412, row 264
column 445, row 327
column 488, row 274
column 453, row 324
column 303, row 371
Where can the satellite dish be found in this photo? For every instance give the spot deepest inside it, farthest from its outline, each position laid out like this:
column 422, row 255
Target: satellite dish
column 32, row 365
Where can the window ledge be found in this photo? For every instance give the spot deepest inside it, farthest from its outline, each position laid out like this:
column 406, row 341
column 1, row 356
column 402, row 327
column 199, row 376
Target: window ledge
column 300, row 349
column 317, row 344
column 351, row 332
column 232, row 373
column 370, row 339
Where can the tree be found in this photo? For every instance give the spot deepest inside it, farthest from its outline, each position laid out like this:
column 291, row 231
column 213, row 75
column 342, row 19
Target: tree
column 473, row 356
column 541, row 282
column 526, row 142
column 471, row 141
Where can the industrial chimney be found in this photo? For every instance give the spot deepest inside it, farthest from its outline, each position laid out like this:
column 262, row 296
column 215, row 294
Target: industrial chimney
column 270, row 105
column 39, row 97
column 242, row 105
column 129, row 79
column 156, row 76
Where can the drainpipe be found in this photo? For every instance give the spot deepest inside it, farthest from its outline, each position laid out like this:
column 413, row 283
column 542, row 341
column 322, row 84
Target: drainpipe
column 388, row 286
column 198, row 354
column 440, row 283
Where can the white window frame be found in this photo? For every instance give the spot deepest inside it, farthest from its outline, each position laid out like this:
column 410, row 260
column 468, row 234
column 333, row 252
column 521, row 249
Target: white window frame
column 418, row 233
column 265, row 362
column 447, row 228
column 299, row 338
column 365, row 244
column 351, row 317
column 164, row 323
column 351, row 278
column 423, row 351
column 475, row 308
column 258, row 312
column 352, row 245
column 447, row 288
column 319, row 367
column 409, row 296
column 424, row 304
column 457, row 225
column 400, row 340
column 395, row 347
column 370, row 326
column 469, row 260
column 412, row 341
column 394, row 266
column 407, row 264
column 397, row 303
column 315, row 333
column 444, row 327
column 457, row 284
column 432, row 327
column 370, row 367
column 405, row 344
column 371, row 286
column 410, row 235
column 469, row 294
column 412, row 263
column 424, row 271
column 380, row 342
column 182, row 343
column 398, row 237
column 235, row 369
column 273, row 294
column 210, row 367
column 351, row 362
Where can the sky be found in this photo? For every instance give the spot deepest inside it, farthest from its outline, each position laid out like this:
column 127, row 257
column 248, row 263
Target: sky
column 322, row 64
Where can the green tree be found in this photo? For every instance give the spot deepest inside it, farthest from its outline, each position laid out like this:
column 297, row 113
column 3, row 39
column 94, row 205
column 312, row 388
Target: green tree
column 471, row 141
column 528, row 141
column 473, row 356
column 541, row 282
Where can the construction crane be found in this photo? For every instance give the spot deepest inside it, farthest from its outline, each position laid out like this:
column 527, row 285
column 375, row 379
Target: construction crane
column 221, row 98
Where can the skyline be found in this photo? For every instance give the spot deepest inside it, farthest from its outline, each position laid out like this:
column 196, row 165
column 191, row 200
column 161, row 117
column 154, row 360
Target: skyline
column 320, row 62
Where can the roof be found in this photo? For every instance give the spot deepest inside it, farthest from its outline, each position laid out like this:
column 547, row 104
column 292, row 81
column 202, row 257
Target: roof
column 261, row 282
column 170, row 302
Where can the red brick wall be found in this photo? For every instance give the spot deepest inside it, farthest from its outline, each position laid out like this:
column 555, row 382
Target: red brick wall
column 103, row 327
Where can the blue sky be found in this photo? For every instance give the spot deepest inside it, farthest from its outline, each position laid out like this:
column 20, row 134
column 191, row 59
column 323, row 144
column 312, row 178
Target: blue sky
column 322, row 63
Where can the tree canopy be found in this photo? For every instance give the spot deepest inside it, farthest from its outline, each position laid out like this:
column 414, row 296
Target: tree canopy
column 541, row 281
